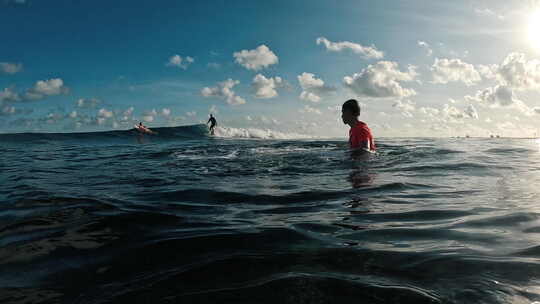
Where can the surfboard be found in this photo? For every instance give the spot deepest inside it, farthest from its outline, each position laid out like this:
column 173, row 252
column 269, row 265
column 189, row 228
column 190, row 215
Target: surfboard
column 144, row 130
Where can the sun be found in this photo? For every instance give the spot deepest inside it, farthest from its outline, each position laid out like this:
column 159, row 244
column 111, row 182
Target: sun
column 533, row 30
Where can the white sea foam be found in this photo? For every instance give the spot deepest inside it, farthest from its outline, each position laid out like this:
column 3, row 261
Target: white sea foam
column 292, row 149
column 227, row 132
column 201, row 154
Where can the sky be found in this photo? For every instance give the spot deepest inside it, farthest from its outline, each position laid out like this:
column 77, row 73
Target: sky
column 418, row 68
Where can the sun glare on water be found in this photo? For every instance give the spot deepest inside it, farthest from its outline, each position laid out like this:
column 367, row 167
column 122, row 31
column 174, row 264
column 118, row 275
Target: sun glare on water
column 534, row 29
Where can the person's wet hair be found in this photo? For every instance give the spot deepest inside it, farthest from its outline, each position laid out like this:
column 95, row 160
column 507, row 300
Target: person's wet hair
column 352, row 106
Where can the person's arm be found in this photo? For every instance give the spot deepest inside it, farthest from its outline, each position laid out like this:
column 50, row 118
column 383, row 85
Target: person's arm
column 364, row 145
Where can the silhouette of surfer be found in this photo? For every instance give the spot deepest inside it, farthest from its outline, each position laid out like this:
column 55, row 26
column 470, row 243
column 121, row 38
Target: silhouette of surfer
column 213, row 124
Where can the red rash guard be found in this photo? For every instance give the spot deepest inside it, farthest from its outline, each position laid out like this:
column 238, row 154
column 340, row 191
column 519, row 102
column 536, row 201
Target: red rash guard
column 359, row 134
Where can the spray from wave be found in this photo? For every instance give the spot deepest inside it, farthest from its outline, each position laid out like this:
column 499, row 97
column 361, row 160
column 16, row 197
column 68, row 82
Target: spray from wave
column 227, row 132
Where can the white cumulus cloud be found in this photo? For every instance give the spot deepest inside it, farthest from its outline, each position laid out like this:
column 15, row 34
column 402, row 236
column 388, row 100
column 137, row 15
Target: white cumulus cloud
column 487, row 71
column 405, row 107
column 166, row 112
column 366, row 51
column 519, row 73
column 381, row 80
column 256, row 59
column 446, row 70
column 225, row 91
column 449, row 114
column 499, row 96
column 452, row 113
column 44, row 88
column 149, row 116
column 429, row 111
column 313, row 87
column 179, row 62
column 104, row 113
column 471, row 112
column 308, row 96
column 266, row 87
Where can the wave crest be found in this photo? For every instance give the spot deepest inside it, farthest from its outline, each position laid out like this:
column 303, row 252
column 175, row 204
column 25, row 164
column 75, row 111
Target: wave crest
column 197, row 131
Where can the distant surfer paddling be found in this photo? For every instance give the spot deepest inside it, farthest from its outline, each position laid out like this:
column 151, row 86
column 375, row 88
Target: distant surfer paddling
column 213, row 123
column 144, row 129
column 360, row 137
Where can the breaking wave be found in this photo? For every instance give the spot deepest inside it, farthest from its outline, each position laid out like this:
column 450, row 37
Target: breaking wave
column 227, row 132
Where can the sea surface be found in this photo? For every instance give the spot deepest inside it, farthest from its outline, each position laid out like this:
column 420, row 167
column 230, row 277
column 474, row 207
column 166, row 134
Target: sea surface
column 182, row 217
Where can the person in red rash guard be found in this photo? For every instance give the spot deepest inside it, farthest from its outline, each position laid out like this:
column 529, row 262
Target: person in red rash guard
column 360, row 136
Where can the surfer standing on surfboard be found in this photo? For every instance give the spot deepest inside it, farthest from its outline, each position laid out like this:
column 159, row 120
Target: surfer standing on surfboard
column 213, row 124
column 143, row 129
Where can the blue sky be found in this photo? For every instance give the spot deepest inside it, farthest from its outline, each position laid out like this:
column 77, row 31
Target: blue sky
column 419, row 68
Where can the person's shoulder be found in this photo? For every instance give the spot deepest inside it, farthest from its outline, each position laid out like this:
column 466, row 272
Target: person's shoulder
column 363, row 125
column 363, row 128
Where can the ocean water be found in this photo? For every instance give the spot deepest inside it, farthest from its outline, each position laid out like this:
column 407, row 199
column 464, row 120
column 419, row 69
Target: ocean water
column 180, row 217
